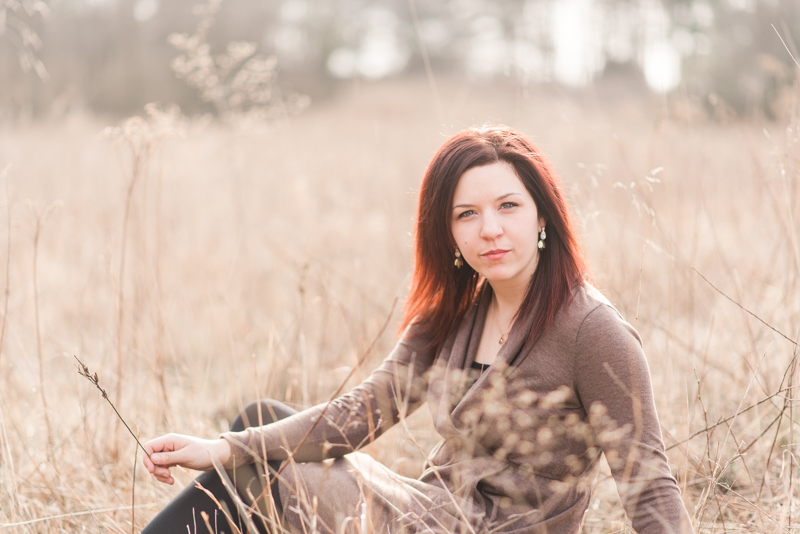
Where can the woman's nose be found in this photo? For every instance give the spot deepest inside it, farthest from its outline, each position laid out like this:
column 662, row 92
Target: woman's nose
column 491, row 227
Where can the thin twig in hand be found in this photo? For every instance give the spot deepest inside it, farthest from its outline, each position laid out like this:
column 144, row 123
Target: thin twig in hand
column 93, row 378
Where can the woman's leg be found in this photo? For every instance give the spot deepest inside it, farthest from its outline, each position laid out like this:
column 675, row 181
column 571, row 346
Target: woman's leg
column 249, row 479
column 185, row 509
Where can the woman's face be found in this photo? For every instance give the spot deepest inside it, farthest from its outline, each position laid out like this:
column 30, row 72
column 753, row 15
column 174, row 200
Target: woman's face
column 495, row 224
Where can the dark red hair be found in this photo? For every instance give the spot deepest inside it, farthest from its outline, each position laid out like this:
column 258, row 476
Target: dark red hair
column 441, row 293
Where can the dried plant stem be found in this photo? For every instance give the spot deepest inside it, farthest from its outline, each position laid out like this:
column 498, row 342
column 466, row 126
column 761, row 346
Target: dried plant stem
column 785, row 45
column 133, row 486
column 338, row 391
column 231, row 489
column 428, row 463
column 428, row 70
column 138, row 160
column 204, row 516
column 158, row 354
column 222, row 506
column 787, row 338
column 9, row 465
column 6, row 293
column 93, row 378
column 790, row 405
column 140, row 136
column 74, row 514
column 639, row 292
column 729, row 418
column 38, row 219
column 37, row 467
column 272, row 520
column 336, row 394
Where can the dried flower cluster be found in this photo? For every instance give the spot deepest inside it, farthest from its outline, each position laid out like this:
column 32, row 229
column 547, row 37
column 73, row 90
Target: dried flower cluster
column 239, row 82
column 15, row 26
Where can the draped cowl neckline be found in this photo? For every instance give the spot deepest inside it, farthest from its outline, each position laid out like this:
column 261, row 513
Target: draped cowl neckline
column 449, row 390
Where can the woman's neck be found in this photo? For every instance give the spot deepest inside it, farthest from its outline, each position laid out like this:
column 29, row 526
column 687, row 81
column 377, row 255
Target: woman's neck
column 506, row 302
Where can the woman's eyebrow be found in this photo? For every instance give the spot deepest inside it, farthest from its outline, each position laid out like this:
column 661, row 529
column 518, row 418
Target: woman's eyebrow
column 501, row 197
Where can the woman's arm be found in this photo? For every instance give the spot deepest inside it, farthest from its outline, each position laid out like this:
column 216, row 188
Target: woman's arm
column 349, row 422
column 613, row 381
column 345, row 424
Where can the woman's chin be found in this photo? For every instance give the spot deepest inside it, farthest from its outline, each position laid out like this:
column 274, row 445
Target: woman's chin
column 500, row 277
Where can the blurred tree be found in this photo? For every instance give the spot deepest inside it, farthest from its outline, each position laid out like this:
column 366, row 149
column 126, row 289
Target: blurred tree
column 239, row 81
column 113, row 56
column 734, row 54
column 18, row 22
column 20, row 45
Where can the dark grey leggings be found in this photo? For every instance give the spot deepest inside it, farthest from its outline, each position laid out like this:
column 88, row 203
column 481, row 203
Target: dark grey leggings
column 184, row 510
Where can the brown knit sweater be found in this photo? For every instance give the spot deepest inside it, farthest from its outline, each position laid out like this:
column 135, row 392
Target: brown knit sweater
column 520, row 445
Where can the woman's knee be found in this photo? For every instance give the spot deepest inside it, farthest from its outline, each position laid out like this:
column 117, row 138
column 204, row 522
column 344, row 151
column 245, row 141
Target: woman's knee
column 261, row 412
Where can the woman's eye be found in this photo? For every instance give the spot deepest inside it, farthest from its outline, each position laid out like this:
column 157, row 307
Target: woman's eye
column 508, row 204
column 465, row 214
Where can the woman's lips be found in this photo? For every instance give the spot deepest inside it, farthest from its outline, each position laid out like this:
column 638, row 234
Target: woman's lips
column 495, row 254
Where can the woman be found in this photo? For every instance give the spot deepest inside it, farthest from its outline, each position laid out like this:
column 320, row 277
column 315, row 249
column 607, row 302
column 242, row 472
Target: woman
column 529, row 373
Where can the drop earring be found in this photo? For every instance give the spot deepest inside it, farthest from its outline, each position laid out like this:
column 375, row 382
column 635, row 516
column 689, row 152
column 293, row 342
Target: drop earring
column 542, row 237
column 459, row 262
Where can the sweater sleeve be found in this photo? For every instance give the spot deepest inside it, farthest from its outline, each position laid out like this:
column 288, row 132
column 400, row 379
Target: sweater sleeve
column 348, row 422
column 613, row 382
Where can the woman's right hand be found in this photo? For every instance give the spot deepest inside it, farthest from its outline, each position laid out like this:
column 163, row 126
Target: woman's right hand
column 185, row 451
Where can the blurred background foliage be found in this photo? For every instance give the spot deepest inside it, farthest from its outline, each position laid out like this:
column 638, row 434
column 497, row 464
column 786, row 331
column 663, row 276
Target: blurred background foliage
column 114, row 56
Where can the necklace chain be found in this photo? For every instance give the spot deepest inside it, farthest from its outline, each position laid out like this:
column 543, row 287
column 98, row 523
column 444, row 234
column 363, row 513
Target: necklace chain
column 503, row 336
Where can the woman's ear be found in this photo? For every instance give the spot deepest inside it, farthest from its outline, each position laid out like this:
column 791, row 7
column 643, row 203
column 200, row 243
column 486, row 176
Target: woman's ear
column 542, row 222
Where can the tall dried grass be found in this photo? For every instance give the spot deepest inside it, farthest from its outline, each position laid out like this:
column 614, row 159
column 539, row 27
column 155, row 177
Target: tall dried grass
column 264, row 263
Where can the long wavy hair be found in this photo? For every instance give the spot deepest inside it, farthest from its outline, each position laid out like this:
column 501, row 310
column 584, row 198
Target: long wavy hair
column 440, row 293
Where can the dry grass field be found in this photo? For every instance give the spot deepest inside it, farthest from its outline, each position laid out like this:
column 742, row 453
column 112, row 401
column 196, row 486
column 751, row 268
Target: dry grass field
column 263, row 261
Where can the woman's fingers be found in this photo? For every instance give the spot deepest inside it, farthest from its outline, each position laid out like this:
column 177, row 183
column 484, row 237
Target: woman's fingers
column 164, row 452
column 148, row 464
column 168, row 458
column 186, row 451
column 168, row 442
column 155, row 460
column 163, row 474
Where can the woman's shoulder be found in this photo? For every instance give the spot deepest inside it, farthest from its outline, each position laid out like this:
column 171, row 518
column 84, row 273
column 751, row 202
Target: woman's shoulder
column 590, row 313
column 585, row 300
column 416, row 340
column 597, row 326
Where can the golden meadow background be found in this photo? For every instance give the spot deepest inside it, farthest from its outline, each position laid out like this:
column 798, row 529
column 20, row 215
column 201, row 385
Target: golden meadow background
column 197, row 262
